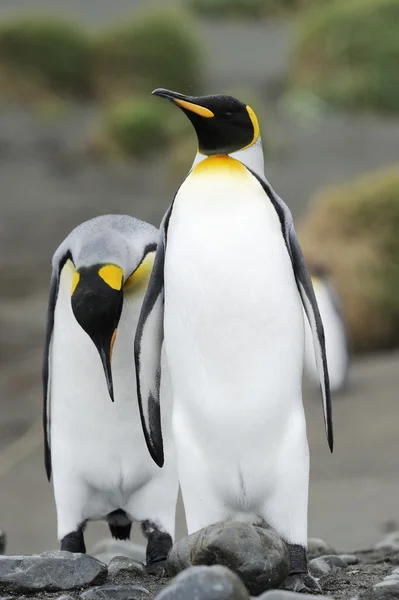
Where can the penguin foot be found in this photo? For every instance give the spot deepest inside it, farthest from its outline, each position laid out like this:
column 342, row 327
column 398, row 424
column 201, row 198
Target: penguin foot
column 74, row 542
column 158, row 569
column 303, row 583
column 158, row 545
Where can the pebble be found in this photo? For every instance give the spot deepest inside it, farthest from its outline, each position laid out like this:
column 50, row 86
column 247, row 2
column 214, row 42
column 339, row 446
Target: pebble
column 205, row 583
column 323, row 565
column 65, row 598
column 122, row 567
column 350, row 559
column 387, row 589
column 50, row 571
column 116, row 592
column 318, row 547
column 286, row 595
column 257, row 555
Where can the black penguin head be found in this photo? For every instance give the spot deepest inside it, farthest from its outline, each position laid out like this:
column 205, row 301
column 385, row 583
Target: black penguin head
column 223, row 124
column 97, row 299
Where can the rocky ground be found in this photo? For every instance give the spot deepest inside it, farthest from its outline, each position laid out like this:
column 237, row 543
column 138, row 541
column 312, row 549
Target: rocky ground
column 364, row 575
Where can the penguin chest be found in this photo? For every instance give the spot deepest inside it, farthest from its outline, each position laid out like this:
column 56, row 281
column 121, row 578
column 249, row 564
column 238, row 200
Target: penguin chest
column 233, row 316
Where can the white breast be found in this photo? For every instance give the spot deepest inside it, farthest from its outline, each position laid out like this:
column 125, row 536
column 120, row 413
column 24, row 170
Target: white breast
column 233, row 316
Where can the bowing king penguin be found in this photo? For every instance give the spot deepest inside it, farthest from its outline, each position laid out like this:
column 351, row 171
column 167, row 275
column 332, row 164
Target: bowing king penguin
column 94, row 444
column 226, row 295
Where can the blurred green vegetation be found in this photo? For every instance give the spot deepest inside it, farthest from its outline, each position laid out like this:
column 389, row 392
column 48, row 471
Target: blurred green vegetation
column 42, row 56
column 250, row 9
column 353, row 229
column 155, row 49
column 347, row 53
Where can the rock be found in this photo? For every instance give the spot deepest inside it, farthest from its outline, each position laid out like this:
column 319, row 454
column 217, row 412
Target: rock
column 318, row 547
column 285, row 595
column 387, row 589
column 65, row 598
column 257, row 555
column 116, row 592
column 107, row 549
column 205, row 583
column 323, row 565
column 3, row 541
column 122, row 568
column 50, row 571
column 350, row 559
column 390, row 542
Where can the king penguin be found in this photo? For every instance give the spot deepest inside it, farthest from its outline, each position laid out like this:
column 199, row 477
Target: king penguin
column 337, row 345
column 225, row 295
column 94, row 444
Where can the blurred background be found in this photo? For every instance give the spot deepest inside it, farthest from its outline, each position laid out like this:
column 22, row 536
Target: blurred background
column 80, row 135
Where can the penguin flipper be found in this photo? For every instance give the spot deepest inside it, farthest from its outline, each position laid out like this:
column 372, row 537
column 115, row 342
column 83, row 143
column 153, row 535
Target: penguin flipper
column 46, row 371
column 309, row 302
column 147, row 350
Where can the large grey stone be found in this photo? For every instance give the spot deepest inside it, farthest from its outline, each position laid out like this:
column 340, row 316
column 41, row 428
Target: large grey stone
column 286, row 595
column 318, row 547
column 205, row 583
column 50, row 571
column 350, row 559
column 121, row 568
column 257, row 555
column 390, row 542
column 326, row 564
column 387, row 589
column 116, row 592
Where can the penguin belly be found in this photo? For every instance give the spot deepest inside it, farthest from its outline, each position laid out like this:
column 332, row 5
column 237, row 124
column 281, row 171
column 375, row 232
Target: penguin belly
column 234, row 338
column 99, row 457
column 336, row 348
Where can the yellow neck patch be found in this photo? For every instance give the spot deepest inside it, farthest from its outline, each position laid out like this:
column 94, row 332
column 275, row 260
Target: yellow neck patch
column 219, row 161
column 112, row 275
column 75, row 281
column 142, row 274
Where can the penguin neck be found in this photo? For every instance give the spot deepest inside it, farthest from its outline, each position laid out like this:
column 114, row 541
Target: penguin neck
column 251, row 157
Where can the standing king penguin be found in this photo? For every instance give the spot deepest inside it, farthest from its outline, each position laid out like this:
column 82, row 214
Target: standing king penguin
column 337, row 344
column 94, row 443
column 225, row 295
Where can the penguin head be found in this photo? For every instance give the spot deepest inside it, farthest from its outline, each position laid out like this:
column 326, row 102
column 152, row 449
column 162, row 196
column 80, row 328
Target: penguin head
column 97, row 300
column 223, row 124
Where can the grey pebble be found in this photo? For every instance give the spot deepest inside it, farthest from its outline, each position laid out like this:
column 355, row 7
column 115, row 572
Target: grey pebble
column 116, row 592
column 107, row 549
column 323, row 565
column 318, row 547
column 286, row 595
column 50, row 571
column 391, row 577
column 65, row 598
column 350, row 559
column 257, row 555
column 122, row 567
column 205, row 583
column 387, row 589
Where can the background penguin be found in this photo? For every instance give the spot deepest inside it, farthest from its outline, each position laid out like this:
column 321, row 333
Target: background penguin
column 93, row 445
column 334, row 329
column 227, row 289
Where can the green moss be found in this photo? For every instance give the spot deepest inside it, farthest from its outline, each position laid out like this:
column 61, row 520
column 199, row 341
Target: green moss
column 347, row 53
column 45, row 53
column 354, row 230
column 155, row 49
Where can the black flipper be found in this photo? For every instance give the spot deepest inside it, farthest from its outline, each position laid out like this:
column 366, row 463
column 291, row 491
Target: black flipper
column 148, row 344
column 309, row 302
column 46, row 372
